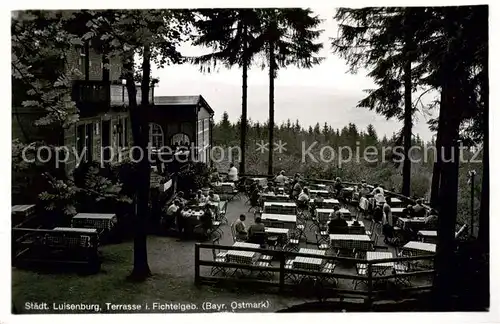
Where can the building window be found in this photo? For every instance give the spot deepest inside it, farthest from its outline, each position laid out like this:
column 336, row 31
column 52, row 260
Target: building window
column 125, row 132
column 84, row 143
column 155, row 135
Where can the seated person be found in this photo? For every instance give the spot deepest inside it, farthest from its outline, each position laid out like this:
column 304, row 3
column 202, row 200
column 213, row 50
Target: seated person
column 337, row 225
column 270, row 190
column 303, row 199
column 356, row 223
column 408, row 211
column 239, row 228
column 378, row 214
column 206, row 220
column 200, row 197
column 180, row 196
column 419, row 209
column 431, row 221
column 364, row 190
column 257, row 228
column 338, row 186
column 213, row 197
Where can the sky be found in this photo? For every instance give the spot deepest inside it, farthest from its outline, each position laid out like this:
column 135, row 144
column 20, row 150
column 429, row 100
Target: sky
column 325, row 93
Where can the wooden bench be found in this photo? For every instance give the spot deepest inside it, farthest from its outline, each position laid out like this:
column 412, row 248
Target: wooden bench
column 61, row 246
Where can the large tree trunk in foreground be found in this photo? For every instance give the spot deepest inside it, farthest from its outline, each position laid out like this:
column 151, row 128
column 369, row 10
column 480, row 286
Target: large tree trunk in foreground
column 271, row 107
column 436, row 170
column 449, row 122
column 140, row 136
column 407, row 123
column 243, row 133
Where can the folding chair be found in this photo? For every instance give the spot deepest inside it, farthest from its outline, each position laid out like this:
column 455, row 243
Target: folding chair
column 219, row 257
column 300, row 231
column 263, row 272
column 361, row 270
column 322, row 240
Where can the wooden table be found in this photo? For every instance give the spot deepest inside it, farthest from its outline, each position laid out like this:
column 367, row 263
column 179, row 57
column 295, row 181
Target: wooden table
column 323, row 214
column 346, row 213
column 260, row 181
column 428, row 236
column 415, row 222
column 246, row 257
column 420, row 247
column 224, row 187
column 94, row 220
column 23, row 210
column 397, row 211
column 350, row 241
column 325, row 203
column 309, row 263
column 377, row 255
column 280, row 207
column 84, row 240
column 320, row 193
column 356, row 230
column 396, row 202
column 289, row 221
column 20, row 213
column 275, row 198
column 76, row 229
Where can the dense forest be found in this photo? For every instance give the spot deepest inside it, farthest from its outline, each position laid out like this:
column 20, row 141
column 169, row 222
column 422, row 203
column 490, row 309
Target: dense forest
column 386, row 169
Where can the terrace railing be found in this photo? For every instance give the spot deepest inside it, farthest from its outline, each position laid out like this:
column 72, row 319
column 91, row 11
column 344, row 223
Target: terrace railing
column 370, row 294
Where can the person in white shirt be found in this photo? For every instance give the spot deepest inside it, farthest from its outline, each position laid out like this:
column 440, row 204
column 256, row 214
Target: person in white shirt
column 281, row 179
column 379, row 189
column 232, row 175
column 213, row 197
column 239, row 228
column 304, row 195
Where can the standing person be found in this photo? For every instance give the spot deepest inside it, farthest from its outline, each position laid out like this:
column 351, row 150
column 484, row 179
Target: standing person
column 232, row 174
column 387, row 227
column 296, row 187
column 419, row 209
column 303, row 199
column 170, row 218
column 239, row 228
column 338, row 187
column 206, row 221
column 281, row 179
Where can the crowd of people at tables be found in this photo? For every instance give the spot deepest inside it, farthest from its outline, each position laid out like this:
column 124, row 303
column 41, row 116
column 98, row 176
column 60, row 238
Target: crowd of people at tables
column 174, row 218
column 372, row 200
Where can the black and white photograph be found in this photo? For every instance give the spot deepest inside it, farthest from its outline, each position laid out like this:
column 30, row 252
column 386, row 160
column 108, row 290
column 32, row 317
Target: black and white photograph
column 321, row 158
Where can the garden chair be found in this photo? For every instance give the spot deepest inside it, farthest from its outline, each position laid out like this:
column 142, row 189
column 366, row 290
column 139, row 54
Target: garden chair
column 362, row 271
column 218, row 257
column 322, row 240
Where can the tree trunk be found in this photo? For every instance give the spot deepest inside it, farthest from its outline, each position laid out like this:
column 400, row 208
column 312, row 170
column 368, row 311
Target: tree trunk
column 484, row 211
column 140, row 135
column 436, row 171
column 271, row 107
column 448, row 192
column 243, row 133
column 407, row 120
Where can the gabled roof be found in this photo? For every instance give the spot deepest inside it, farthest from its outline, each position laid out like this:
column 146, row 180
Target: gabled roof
column 182, row 101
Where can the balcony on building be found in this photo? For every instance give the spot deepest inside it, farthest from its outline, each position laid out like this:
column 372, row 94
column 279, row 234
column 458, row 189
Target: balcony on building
column 92, row 97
